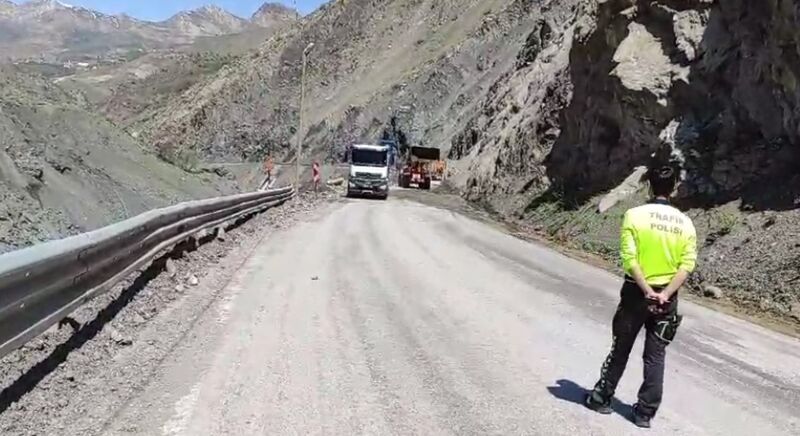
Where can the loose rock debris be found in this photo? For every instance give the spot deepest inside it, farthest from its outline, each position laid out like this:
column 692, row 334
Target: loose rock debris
column 48, row 385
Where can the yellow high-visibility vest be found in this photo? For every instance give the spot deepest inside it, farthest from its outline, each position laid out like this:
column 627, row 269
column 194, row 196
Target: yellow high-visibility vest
column 660, row 239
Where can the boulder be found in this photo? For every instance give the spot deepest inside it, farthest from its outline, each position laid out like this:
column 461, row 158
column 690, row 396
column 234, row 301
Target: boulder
column 712, row 291
column 119, row 338
column 170, row 268
column 795, row 313
column 628, row 187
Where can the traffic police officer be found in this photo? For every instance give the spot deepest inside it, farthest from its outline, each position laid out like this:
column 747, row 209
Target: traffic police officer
column 658, row 251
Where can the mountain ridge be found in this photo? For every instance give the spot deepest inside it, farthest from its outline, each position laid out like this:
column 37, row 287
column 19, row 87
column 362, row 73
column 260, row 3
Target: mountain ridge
column 41, row 6
column 55, row 32
column 206, row 20
column 270, row 12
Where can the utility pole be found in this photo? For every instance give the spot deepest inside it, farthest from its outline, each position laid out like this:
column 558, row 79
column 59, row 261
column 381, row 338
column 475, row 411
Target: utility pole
column 300, row 127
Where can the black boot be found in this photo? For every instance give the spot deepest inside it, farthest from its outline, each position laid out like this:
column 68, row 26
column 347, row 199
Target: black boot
column 640, row 419
column 602, row 407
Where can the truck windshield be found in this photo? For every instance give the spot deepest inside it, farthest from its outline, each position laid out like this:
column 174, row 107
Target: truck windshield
column 369, row 158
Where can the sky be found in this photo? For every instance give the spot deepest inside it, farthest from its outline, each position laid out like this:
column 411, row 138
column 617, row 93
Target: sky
column 157, row 10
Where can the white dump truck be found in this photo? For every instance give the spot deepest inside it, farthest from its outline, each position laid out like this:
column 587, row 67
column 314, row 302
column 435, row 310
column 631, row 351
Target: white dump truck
column 369, row 171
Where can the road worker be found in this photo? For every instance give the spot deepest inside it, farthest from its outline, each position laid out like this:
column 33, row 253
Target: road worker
column 658, row 251
column 315, row 175
column 269, row 166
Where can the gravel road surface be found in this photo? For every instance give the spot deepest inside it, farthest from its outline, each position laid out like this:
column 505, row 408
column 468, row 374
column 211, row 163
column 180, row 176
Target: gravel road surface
column 399, row 318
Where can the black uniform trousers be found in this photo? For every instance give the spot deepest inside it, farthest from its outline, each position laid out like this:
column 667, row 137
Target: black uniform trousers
column 632, row 314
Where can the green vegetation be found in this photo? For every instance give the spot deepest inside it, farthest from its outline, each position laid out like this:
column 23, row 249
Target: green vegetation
column 581, row 227
column 133, row 54
column 726, row 221
column 186, row 159
column 210, row 63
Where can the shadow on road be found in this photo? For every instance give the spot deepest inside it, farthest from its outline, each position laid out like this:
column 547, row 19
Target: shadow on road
column 568, row 390
column 82, row 334
column 365, row 198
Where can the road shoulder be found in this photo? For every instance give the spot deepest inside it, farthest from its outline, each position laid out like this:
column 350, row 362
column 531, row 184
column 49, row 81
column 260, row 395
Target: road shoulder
column 455, row 203
column 73, row 380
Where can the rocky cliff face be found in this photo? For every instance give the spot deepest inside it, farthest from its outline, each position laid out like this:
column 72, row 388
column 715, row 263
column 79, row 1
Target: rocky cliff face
column 709, row 86
column 424, row 65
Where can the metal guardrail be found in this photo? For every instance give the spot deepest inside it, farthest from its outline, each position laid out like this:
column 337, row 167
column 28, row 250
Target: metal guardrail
column 43, row 284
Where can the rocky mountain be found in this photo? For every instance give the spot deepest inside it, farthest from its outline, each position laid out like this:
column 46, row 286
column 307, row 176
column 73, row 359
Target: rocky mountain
column 370, row 60
column 6, row 8
column 38, row 8
column 53, row 32
column 544, row 108
column 67, row 164
column 206, row 21
column 48, row 30
column 274, row 14
column 65, row 169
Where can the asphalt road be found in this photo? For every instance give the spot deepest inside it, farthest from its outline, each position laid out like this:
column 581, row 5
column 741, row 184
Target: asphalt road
column 398, row 318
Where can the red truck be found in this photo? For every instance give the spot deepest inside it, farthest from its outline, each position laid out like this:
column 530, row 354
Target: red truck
column 418, row 169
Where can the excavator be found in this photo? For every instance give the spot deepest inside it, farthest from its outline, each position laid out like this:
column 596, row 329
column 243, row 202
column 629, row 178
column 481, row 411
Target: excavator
column 422, row 165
